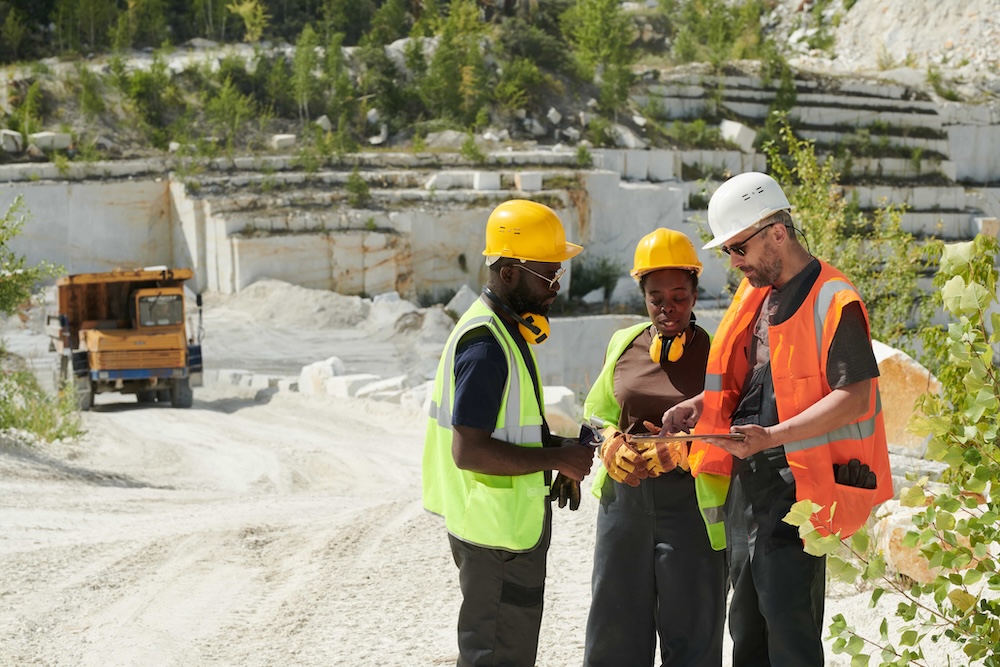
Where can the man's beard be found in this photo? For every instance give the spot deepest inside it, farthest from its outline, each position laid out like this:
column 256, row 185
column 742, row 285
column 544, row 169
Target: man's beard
column 766, row 273
column 522, row 301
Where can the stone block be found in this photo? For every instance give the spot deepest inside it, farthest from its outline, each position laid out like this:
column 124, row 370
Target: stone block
column 323, row 122
column 447, row 180
column 528, row 181
column 739, row 134
column 11, row 141
column 636, row 165
column 660, row 166
column 51, row 141
column 988, row 226
column 288, row 384
column 396, row 384
column 462, row 301
column 312, row 378
column 486, row 180
column 554, row 116
column 281, row 142
column 347, row 386
column 901, row 382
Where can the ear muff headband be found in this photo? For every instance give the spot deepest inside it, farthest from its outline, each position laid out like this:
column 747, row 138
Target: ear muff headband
column 534, row 327
column 673, row 350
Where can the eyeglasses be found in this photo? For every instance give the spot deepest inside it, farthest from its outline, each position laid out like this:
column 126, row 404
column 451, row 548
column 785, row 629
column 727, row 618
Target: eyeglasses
column 551, row 281
column 741, row 248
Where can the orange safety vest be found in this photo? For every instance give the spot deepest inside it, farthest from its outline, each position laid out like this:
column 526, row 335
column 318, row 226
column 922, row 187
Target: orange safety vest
column 799, row 348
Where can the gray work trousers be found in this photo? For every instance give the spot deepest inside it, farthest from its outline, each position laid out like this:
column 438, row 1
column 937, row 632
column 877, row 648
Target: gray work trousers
column 655, row 573
column 776, row 614
column 502, row 594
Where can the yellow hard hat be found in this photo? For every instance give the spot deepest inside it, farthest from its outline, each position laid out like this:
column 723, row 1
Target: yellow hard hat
column 665, row 249
column 529, row 231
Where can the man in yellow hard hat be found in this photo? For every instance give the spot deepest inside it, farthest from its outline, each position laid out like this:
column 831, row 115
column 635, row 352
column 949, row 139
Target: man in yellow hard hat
column 488, row 453
column 791, row 392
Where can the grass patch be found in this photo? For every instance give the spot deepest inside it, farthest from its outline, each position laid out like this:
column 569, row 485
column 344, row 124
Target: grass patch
column 25, row 406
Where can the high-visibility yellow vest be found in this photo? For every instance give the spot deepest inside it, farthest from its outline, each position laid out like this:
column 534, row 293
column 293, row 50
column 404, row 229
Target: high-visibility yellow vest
column 799, row 349
column 494, row 511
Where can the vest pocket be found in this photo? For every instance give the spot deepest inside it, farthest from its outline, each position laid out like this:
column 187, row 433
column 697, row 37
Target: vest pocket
column 854, row 506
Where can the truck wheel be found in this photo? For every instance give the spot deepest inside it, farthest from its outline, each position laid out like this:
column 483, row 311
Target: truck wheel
column 145, row 396
column 162, row 395
column 181, row 395
column 84, row 394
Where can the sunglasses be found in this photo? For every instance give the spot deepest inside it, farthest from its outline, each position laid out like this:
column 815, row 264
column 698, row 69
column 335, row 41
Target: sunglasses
column 551, row 281
column 741, row 248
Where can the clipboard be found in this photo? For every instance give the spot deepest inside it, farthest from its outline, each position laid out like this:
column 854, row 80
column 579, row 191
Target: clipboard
column 686, row 437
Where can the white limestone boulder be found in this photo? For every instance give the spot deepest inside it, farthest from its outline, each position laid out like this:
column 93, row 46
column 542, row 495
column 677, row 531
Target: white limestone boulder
column 562, row 411
column 462, row 300
column 312, row 378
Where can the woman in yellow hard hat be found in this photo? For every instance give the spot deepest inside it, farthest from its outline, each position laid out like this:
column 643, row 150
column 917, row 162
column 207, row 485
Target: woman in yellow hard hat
column 655, row 572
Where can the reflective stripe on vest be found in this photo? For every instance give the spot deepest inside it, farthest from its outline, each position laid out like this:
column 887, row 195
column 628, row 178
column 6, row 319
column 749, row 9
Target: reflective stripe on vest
column 493, row 511
column 512, row 430
column 810, row 460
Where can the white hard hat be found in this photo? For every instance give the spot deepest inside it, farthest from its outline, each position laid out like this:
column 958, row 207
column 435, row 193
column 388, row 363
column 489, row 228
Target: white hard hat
column 741, row 203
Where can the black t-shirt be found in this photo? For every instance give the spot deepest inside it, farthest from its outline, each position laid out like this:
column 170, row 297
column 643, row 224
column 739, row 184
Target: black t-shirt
column 480, row 377
column 851, row 358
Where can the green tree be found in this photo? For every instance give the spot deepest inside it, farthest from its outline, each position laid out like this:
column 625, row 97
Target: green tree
column 84, row 23
column 601, row 34
column 305, row 65
column 341, row 96
column 209, row 17
column 428, row 19
column 717, row 31
column 23, row 404
column 388, row 23
column 228, row 111
column 255, row 18
column 12, row 34
column 18, row 278
column 91, row 97
column 27, row 116
column 348, row 17
column 455, row 85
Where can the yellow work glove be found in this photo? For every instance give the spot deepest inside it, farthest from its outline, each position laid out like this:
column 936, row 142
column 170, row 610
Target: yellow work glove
column 661, row 457
column 622, row 460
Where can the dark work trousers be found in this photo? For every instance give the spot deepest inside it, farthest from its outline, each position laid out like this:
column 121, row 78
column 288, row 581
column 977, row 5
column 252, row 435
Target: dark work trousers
column 655, row 573
column 502, row 594
column 776, row 614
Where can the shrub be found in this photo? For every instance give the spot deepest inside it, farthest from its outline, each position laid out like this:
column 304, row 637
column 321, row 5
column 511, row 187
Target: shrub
column 358, row 193
column 25, row 406
column 955, row 525
column 595, row 273
column 876, row 254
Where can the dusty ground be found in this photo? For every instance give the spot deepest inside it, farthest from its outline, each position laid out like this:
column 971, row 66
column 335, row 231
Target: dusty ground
column 253, row 529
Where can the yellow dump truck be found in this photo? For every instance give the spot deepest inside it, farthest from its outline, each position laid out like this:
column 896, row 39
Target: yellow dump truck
column 125, row 331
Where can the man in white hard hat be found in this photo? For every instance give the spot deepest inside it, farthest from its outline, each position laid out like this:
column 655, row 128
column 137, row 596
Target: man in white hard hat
column 488, row 453
column 793, row 381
